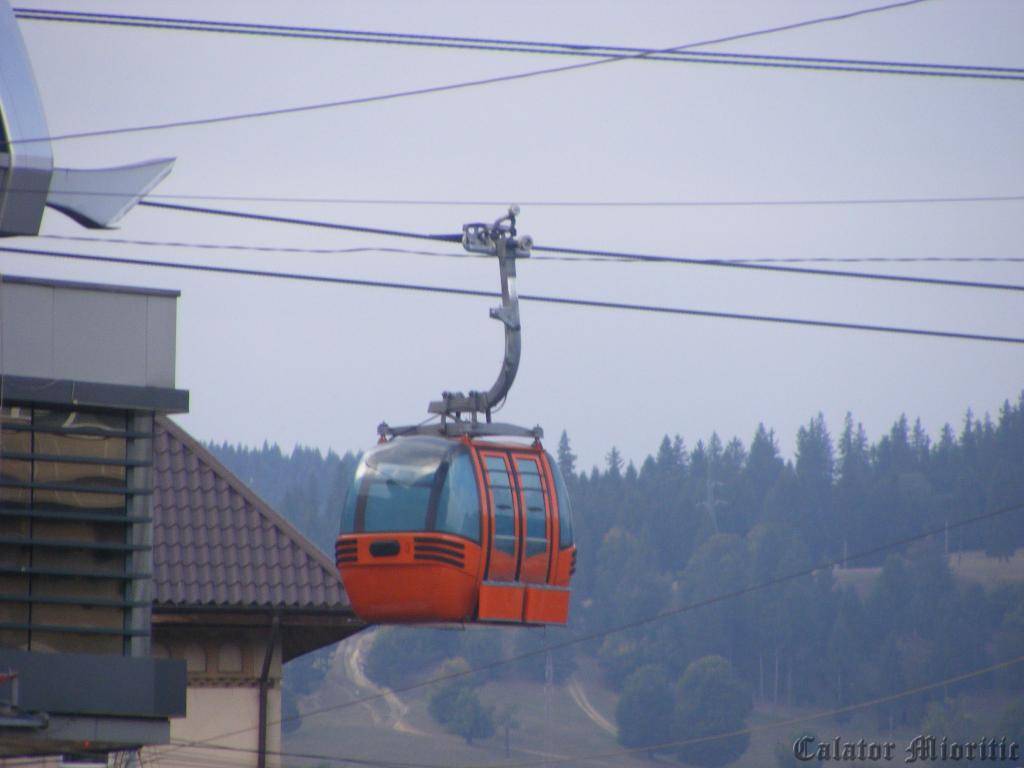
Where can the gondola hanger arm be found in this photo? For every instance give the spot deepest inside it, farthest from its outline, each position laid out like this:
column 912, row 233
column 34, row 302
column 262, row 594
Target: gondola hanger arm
column 501, row 240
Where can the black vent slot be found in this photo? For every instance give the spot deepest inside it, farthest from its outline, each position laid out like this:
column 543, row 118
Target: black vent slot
column 346, row 551
column 572, row 566
column 455, row 545
column 439, row 559
column 439, row 550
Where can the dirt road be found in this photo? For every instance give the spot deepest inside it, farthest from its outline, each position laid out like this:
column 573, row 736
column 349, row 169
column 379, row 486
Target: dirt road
column 355, row 650
column 580, row 697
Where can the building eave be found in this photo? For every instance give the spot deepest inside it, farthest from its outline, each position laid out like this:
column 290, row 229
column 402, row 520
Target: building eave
column 303, row 630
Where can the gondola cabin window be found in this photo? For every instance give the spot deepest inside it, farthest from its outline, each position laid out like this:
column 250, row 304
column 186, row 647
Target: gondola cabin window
column 458, row 506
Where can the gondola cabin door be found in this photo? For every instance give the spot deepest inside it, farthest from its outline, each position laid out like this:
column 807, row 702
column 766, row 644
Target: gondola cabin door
column 519, row 583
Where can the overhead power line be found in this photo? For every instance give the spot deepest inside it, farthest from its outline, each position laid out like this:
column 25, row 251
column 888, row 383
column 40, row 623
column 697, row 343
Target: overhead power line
column 185, row 753
column 818, row 63
column 889, row 260
column 463, row 254
column 219, row 756
column 625, row 203
column 664, row 203
column 579, row 302
column 686, row 608
column 622, row 255
column 465, row 83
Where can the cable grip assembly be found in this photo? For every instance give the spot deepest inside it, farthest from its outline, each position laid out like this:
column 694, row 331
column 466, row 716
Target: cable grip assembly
column 501, row 240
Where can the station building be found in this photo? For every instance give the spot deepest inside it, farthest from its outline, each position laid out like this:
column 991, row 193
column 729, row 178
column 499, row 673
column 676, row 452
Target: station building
column 84, row 372
column 148, row 598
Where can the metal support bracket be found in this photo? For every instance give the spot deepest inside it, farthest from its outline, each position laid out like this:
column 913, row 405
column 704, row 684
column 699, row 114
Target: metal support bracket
column 510, row 319
column 449, row 428
column 498, row 239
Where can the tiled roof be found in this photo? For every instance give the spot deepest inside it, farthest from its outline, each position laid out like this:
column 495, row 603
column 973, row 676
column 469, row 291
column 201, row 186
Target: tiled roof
column 215, row 543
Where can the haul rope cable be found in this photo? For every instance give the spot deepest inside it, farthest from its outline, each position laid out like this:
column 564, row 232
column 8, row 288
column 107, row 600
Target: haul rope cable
column 455, row 238
column 593, row 303
column 464, row 255
column 667, row 203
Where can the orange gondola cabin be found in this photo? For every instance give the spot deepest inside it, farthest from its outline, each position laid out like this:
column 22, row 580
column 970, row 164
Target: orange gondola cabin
column 438, row 529
column 457, row 522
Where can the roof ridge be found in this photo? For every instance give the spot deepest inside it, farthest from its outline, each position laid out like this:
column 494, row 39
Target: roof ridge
column 203, row 455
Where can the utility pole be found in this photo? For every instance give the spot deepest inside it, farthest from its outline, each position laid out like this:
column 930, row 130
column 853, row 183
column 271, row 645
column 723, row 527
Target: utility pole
column 710, row 502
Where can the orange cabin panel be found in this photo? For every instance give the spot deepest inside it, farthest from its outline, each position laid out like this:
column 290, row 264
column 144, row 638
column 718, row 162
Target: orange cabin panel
column 546, row 605
column 409, row 577
column 501, row 602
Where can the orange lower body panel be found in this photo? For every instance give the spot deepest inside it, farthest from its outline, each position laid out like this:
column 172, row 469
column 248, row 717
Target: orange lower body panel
column 404, row 594
column 501, row 601
column 523, row 603
column 406, row 578
column 546, row 605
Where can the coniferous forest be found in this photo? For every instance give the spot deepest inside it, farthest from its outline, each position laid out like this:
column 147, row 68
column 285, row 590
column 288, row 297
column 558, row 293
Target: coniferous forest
column 738, row 577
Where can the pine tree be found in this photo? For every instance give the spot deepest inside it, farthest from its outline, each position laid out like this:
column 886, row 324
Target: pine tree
column 852, row 490
column 566, row 458
column 614, row 463
column 815, row 471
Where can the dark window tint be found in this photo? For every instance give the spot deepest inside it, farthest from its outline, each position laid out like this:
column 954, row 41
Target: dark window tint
column 458, row 507
column 533, row 500
column 395, row 481
column 80, row 420
column 392, row 506
column 504, row 510
column 348, row 512
column 564, row 506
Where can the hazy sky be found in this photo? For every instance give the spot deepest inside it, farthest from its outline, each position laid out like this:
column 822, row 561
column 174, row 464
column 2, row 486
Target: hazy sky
column 322, row 365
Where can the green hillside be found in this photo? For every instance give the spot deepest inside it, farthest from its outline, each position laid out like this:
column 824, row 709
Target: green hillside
column 743, row 555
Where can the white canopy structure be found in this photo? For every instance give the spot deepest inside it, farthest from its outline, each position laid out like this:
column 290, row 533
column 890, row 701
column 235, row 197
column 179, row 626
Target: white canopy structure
column 95, row 198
